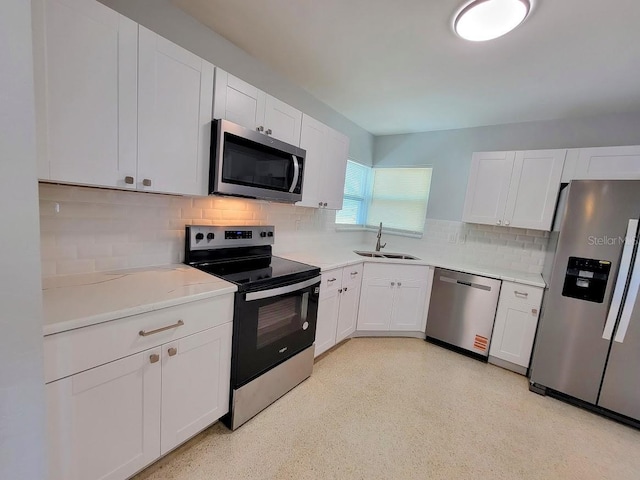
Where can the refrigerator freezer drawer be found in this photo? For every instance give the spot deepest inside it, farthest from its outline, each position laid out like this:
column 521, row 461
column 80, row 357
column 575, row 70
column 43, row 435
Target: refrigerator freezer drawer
column 463, row 309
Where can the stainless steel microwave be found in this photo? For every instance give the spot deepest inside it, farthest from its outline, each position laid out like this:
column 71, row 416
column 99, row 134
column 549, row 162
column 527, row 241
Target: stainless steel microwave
column 250, row 164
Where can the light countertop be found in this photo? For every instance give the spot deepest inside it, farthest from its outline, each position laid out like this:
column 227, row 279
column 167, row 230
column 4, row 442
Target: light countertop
column 74, row 301
column 337, row 257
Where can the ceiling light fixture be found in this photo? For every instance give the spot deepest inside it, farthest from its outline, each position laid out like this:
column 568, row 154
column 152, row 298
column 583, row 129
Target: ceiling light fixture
column 483, row 20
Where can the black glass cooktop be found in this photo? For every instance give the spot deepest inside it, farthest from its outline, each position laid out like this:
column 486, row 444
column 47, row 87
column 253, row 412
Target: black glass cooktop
column 261, row 272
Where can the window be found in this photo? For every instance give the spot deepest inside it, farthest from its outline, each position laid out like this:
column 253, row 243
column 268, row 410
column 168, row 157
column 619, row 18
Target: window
column 397, row 197
column 354, row 205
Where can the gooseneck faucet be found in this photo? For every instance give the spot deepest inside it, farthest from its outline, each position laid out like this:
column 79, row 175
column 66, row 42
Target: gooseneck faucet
column 378, row 246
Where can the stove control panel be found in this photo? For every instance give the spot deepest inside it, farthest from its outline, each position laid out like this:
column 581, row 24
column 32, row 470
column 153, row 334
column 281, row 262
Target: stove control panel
column 207, row 237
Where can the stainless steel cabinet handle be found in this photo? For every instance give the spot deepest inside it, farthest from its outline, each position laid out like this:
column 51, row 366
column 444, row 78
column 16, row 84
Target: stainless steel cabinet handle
column 319, row 204
column 499, row 222
column 346, row 288
column 146, row 182
column 260, row 129
column 520, row 294
column 393, row 284
column 331, row 280
column 340, row 291
column 399, row 284
column 268, row 132
column 507, row 222
column 142, row 333
column 325, row 204
column 154, row 358
column 354, row 274
column 172, row 351
column 129, row 180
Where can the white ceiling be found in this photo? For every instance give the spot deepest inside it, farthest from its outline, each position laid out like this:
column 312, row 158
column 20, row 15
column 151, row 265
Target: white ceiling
column 395, row 66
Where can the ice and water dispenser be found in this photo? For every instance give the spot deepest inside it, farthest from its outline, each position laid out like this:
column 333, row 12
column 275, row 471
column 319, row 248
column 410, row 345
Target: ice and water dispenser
column 586, row 279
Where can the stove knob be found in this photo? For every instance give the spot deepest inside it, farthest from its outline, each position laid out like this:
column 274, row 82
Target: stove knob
column 270, row 234
column 210, row 236
column 199, row 236
column 263, row 234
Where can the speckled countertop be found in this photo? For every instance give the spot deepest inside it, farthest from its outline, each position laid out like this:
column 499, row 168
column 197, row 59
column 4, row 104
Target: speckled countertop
column 74, row 301
column 336, row 257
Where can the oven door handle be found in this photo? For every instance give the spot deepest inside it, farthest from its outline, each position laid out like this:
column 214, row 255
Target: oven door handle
column 274, row 292
column 296, row 173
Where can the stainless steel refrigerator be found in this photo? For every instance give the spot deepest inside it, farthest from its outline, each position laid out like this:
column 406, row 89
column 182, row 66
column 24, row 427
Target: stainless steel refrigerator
column 588, row 341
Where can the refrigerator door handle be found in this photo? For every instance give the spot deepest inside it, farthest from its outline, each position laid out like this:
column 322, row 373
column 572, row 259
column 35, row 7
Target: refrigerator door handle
column 621, row 281
column 630, row 301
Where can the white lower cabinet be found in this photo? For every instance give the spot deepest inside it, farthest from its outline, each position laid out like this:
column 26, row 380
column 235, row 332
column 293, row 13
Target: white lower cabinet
column 394, row 298
column 338, row 306
column 515, row 326
column 112, row 420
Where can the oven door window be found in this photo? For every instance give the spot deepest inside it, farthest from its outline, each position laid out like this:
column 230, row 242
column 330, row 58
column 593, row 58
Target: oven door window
column 281, row 319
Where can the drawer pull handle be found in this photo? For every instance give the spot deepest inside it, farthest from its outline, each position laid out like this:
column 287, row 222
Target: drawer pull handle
column 154, row 358
column 172, row 351
column 520, row 294
column 353, row 274
column 142, row 333
column 331, row 280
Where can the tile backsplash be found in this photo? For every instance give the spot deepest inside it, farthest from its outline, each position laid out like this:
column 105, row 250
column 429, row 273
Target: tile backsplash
column 90, row 229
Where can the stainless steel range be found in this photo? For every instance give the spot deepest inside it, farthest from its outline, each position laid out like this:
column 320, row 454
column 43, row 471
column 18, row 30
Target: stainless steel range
column 276, row 308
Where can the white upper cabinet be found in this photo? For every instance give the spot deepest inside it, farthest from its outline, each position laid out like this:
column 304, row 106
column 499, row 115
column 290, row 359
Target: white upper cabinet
column 85, row 62
column 488, row 187
column 603, row 163
column 533, row 192
column 237, row 101
column 516, row 189
column 282, row 121
column 242, row 103
column 325, row 165
column 174, row 117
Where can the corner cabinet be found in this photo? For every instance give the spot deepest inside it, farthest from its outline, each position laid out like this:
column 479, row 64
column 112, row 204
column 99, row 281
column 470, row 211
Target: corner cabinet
column 514, row 189
column 338, row 306
column 326, row 165
column 603, row 163
column 109, row 416
column 394, row 298
column 117, row 105
column 515, row 326
column 242, row 103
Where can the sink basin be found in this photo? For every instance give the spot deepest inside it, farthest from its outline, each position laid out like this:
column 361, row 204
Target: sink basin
column 396, row 256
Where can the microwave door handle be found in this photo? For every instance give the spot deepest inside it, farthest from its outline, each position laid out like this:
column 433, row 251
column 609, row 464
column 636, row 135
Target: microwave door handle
column 621, row 281
column 630, row 302
column 274, row 292
column 296, row 173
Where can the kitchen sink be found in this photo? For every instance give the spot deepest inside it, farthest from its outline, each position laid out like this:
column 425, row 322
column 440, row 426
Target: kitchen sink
column 396, row 256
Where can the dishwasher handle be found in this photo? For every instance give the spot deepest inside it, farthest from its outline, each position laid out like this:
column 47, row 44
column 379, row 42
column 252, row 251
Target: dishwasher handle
column 465, row 284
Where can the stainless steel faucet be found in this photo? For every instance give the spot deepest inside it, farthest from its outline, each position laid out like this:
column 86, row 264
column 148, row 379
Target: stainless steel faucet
column 378, row 246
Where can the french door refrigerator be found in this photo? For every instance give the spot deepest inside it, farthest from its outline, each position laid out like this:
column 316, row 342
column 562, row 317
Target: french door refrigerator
column 588, row 343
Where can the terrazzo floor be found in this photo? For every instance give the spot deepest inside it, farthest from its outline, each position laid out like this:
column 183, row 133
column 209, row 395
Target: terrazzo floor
column 393, row 408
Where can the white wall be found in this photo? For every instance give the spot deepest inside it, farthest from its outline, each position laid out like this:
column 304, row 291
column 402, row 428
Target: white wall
column 22, row 419
column 169, row 21
column 449, row 151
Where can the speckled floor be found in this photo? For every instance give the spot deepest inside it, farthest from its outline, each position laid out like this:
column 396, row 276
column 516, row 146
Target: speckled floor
column 391, row 408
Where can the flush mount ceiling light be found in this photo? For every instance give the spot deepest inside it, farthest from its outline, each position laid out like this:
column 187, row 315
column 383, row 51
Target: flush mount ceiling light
column 483, row 20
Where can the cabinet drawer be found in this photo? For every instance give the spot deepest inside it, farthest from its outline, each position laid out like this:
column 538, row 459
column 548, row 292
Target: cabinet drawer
column 396, row 272
column 77, row 350
column 352, row 275
column 331, row 281
column 518, row 294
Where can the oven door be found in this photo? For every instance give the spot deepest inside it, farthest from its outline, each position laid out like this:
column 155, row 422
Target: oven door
column 252, row 164
column 272, row 326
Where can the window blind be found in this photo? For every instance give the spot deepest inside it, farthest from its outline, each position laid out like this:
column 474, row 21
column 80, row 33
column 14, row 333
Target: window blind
column 355, row 194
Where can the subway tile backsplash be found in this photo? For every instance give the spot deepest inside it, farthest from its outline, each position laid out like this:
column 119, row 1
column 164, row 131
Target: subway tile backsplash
column 86, row 229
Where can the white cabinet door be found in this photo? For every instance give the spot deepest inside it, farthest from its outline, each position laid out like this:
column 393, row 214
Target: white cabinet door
column 313, row 140
column 534, row 187
column 326, row 325
column 237, row 101
column 409, row 305
column 85, row 63
column 105, row 423
column 516, row 323
column 376, row 303
column 282, row 121
column 195, row 384
column 174, row 117
column 349, row 301
column 608, row 163
column 334, row 170
column 488, row 187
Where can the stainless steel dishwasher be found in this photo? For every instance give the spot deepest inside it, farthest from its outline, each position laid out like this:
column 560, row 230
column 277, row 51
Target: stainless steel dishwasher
column 462, row 310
